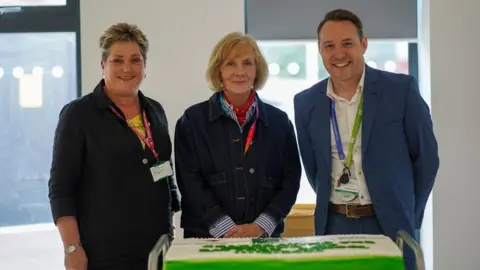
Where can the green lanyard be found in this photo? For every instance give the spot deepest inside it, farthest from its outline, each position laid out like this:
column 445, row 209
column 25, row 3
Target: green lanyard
column 353, row 138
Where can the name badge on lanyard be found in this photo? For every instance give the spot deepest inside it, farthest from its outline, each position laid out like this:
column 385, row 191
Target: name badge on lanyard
column 346, row 184
column 161, row 171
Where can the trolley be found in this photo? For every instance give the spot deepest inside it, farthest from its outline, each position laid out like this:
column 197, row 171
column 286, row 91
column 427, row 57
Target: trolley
column 157, row 255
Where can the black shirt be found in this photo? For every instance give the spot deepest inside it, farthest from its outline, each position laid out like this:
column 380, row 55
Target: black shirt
column 101, row 175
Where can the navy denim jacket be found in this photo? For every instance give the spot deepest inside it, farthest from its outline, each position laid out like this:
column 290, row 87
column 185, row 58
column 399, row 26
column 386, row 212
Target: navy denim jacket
column 214, row 176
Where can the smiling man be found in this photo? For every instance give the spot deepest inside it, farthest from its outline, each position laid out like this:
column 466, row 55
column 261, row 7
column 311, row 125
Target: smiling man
column 366, row 139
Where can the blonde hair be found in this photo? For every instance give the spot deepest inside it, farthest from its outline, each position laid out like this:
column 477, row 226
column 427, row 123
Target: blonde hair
column 123, row 32
column 220, row 53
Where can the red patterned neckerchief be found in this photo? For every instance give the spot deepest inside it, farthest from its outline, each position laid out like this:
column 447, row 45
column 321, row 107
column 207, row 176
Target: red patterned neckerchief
column 241, row 112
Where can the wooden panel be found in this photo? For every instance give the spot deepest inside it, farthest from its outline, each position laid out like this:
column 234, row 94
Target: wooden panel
column 300, row 221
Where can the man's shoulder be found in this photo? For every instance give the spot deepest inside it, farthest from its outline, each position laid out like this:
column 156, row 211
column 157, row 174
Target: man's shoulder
column 309, row 94
column 394, row 85
column 396, row 79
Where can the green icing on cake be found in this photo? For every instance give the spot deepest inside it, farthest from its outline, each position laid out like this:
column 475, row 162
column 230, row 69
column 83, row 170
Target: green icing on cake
column 274, row 247
column 362, row 263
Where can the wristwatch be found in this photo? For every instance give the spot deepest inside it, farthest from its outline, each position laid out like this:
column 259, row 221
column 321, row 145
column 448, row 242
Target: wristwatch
column 72, row 248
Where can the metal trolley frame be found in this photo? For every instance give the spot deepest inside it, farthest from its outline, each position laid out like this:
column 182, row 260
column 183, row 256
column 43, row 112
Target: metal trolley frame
column 404, row 238
column 157, row 255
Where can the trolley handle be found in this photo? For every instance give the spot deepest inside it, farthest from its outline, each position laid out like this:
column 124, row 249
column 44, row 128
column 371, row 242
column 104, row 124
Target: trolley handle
column 404, row 237
column 156, row 256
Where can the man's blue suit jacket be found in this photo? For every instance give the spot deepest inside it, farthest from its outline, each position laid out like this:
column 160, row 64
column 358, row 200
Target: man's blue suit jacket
column 399, row 149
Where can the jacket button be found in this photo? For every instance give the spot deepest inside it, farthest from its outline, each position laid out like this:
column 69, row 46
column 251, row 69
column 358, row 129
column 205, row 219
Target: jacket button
column 251, row 171
column 145, row 161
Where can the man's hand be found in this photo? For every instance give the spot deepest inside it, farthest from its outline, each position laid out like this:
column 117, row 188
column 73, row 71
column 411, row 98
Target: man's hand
column 251, row 230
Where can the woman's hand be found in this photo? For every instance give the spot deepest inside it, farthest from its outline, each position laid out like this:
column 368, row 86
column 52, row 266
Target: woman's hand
column 76, row 260
column 251, row 230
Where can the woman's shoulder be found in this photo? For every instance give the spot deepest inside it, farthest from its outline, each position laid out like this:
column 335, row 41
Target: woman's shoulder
column 275, row 115
column 77, row 107
column 197, row 111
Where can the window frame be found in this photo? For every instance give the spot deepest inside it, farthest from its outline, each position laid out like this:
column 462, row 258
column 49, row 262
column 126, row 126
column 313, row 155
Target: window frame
column 46, row 19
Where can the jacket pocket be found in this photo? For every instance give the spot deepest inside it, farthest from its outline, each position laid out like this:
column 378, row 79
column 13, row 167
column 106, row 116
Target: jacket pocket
column 216, row 179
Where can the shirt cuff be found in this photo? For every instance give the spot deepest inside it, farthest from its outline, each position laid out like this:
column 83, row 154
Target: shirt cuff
column 267, row 223
column 221, row 227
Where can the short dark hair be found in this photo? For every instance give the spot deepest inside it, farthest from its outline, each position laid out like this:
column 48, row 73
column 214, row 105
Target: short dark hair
column 123, row 32
column 342, row 15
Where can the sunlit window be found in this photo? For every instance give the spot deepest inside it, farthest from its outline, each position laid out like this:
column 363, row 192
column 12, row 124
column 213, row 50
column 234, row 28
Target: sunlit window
column 39, row 77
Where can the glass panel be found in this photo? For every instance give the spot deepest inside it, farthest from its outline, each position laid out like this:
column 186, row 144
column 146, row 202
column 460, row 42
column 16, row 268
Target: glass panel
column 282, row 86
column 286, row 60
column 25, row 3
column 38, row 77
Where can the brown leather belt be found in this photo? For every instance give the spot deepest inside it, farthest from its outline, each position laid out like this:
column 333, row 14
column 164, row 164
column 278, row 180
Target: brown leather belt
column 352, row 210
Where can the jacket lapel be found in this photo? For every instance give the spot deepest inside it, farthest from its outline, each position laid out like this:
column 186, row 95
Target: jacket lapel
column 371, row 99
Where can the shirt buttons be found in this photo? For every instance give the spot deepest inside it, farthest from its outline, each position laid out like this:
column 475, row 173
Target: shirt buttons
column 145, row 161
column 251, row 171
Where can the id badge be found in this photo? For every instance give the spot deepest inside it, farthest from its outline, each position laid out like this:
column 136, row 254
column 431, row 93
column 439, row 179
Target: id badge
column 348, row 191
column 161, row 171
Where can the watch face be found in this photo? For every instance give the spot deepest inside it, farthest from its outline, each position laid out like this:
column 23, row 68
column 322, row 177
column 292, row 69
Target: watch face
column 71, row 249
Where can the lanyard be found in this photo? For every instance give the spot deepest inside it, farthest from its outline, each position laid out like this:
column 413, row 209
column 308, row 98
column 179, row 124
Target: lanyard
column 353, row 138
column 251, row 131
column 148, row 140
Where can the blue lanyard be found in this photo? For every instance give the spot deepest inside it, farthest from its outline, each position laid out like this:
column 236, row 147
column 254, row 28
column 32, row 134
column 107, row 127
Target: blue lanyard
column 353, row 138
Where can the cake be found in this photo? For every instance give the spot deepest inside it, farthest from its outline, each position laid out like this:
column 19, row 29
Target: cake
column 335, row 252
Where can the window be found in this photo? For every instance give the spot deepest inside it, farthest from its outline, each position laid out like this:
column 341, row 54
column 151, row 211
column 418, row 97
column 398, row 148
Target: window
column 295, row 66
column 39, row 74
column 22, row 3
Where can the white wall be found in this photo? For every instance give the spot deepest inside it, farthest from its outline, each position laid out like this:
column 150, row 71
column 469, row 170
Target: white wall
column 449, row 41
column 181, row 34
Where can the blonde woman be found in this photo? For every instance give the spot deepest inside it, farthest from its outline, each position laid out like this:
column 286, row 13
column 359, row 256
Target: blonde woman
column 237, row 163
column 111, row 189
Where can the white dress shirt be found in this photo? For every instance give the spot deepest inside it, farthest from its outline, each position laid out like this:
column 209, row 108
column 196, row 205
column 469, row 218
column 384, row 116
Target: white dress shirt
column 346, row 110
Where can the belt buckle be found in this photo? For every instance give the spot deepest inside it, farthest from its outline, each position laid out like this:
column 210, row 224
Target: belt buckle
column 347, row 212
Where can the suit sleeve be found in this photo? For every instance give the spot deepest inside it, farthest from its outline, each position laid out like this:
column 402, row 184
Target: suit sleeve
column 422, row 146
column 66, row 166
column 305, row 145
column 286, row 195
column 196, row 194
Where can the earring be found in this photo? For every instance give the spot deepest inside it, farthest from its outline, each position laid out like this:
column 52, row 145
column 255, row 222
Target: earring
column 145, row 75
